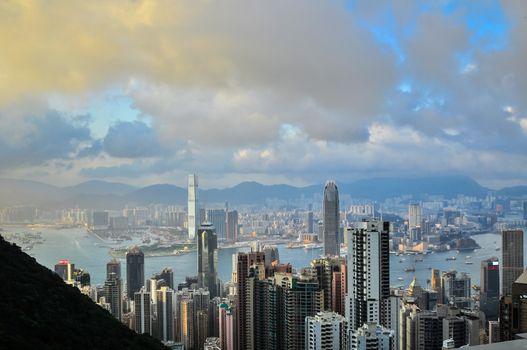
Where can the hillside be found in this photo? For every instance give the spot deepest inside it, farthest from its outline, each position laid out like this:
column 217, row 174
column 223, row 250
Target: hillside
column 39, row 311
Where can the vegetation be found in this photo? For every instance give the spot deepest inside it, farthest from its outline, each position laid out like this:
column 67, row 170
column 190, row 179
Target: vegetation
column 39, row 311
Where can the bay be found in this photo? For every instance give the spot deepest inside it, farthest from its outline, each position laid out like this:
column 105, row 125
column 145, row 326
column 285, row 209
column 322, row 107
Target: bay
column 87, row 252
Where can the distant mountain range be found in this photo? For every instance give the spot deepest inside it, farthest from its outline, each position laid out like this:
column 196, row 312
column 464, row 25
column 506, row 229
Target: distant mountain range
column 100, row 194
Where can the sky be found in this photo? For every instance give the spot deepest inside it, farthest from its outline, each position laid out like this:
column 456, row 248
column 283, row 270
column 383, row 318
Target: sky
column 296, row 91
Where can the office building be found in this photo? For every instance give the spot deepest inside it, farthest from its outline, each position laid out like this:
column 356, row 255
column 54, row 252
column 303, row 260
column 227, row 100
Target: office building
column 371, row 337
column 490, row 288
column 165, row 313
column 457, row 289
column 113, row 294
column 113, row 266
column 368, row 273
column 512, row 258
column 218, row 218
column 100, row 220
column 143, row 312
column 331, row 214
column 308, row 222
column 135, row 271
column 513, row 310
column 193, row 217
column 208, row 258
column 65, row 269
column 326, row 331
column 165, row 277
column 414, row 216
column 232, row 226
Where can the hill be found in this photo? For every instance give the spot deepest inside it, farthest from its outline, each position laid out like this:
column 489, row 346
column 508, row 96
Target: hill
column 39, row 311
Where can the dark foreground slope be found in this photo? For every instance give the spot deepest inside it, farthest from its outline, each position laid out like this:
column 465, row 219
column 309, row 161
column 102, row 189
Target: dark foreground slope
column 39, row 311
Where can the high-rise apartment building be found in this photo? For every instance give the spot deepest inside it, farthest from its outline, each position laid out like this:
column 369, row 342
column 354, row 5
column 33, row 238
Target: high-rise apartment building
column 193, row 219
column 368, row 273
column 331, row 216
column 135, row 271
column 208, row 258
column 326, row 331
column 371, row 337
column 113, row 294
column 166, row 277
column 325, row 268
column 226, row 326
column 165, row 313
column 524, row 210
column 490, row 288
column 302, row 297
column 143, row 312
column 512, row 258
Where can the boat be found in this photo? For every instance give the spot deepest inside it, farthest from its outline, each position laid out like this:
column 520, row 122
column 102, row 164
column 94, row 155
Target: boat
column 498, row 249
column 409, row 269
column 401, row 260
column 469, row 262
column 400, row 279
column 292, row 245
column 418, row 259
column 451, row 258
column 468, row 257
column 312, row 246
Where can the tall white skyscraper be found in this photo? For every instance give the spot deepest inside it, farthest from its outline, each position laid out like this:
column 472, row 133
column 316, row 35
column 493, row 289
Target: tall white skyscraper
column 369, row 279
column 193, row 209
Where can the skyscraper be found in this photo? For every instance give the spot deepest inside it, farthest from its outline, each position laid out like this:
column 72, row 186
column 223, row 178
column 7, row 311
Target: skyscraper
column 113, row 295
column 331, row 216
column 325, row 268
column 457, row 289
column 524, row 210
column 309, row 222
column 414, row 215
column 512, row 260
column 165, row 313
column 513, row 306
column 65, row 269
column 490, row 288
column 143, row 312
column 326, row 330
column 368, row 273
column 114, row 266
column 232, row 226
column 135, row 271
column 217, row 218
column 193, row 211
column 207, row 243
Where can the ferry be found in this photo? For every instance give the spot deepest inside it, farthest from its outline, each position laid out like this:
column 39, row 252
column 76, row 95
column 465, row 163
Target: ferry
column 450, row 258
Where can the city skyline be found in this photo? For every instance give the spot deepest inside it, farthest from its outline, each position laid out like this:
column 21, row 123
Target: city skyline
column 145, row 92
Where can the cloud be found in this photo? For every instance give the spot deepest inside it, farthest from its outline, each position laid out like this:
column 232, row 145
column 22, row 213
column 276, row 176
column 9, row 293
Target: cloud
column 131, row 140
column 37, row 139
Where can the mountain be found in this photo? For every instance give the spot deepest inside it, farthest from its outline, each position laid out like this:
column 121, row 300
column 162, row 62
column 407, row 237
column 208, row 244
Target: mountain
column 515, row 191
column 24, row 192
column 165, row 193
column 382, row 188
column 110, row 195
column 99, row 187
column 39, row 311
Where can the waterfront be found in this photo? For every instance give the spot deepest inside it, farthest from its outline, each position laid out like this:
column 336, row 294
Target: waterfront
column 87, row 252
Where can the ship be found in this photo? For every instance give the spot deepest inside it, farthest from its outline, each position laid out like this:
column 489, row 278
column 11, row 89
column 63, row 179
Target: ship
column 451, row 258
column 409, row 269
column 469, row 262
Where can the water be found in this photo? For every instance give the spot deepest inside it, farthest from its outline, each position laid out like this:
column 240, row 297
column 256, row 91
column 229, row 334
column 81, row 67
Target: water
column 85, row 252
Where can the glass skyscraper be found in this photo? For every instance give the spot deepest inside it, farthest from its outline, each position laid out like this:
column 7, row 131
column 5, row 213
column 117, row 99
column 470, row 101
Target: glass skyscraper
column 331, row 219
